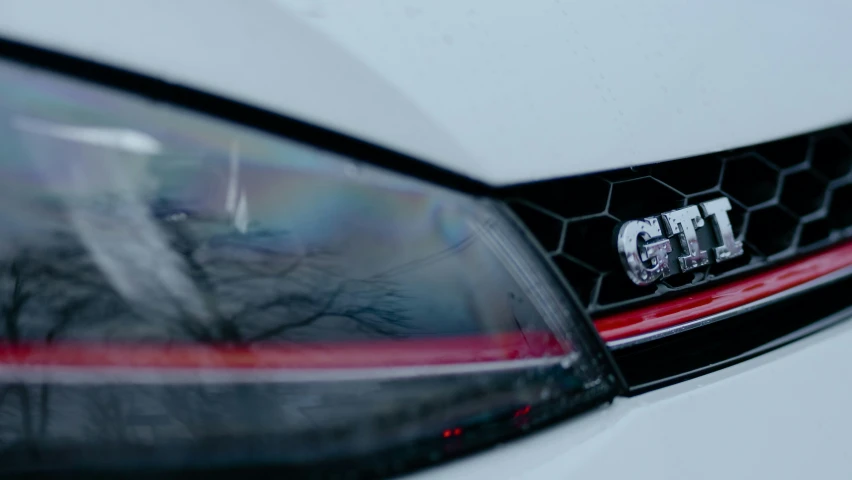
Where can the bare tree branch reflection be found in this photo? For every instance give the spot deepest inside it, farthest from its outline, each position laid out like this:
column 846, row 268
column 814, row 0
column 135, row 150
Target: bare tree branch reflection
column 261, row 286
column 250, row 288
column 253, row 287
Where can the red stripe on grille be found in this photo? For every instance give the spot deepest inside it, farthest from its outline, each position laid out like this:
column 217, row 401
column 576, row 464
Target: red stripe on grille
column 725, row 297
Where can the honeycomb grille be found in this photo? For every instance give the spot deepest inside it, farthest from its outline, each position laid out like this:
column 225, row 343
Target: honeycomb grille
column 789, row 197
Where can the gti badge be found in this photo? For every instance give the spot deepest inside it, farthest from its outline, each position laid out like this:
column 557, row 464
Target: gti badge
column 645, row 246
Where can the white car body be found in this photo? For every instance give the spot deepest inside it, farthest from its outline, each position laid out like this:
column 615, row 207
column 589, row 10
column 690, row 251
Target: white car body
column 509, row 92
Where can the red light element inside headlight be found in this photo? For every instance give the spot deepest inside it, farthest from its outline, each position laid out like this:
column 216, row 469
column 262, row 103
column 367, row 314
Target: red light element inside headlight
column 377, row 358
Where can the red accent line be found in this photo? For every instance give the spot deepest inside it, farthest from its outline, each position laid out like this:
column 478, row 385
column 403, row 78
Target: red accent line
column 376, row 354
column 725, row 297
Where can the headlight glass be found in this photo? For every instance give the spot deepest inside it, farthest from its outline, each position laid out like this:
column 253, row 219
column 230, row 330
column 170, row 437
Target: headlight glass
column 181, row 291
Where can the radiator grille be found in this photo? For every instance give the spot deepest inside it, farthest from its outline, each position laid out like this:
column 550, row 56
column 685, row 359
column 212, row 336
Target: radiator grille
column 789, row 197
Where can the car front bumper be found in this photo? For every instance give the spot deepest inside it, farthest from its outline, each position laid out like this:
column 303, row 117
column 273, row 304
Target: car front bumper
column 784, row 414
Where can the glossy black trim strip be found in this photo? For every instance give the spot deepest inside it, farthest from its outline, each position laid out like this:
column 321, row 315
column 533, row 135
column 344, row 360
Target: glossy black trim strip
column 690, row 354
column 230, row 110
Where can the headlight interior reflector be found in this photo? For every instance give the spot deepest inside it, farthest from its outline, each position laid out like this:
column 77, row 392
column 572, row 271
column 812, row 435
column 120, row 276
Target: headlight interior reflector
column 181, row 291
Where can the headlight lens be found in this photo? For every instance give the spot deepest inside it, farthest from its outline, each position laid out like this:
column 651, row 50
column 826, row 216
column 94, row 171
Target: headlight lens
column 182, row 291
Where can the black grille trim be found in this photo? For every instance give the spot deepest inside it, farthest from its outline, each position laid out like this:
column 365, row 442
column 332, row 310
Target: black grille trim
column 790, row 197
column 676, row 358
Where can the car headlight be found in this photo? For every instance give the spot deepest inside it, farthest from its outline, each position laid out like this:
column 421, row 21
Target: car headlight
column 181, row 291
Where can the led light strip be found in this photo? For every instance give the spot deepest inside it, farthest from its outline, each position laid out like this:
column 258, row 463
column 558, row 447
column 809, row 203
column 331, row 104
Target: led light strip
column 98, row 375
column 714, row 304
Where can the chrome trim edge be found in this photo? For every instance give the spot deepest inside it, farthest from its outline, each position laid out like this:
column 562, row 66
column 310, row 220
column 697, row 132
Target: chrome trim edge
column 150, row 375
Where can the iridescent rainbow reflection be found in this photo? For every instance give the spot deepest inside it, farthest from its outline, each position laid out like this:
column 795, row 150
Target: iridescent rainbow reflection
column 206, row 230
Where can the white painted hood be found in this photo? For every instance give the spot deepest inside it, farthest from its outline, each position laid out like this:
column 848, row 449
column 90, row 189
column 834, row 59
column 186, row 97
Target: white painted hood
column 502, row 91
